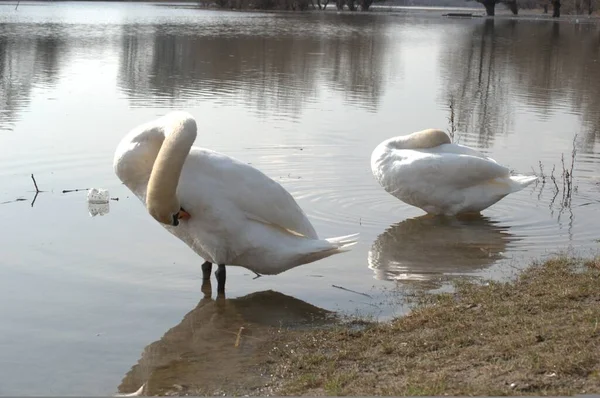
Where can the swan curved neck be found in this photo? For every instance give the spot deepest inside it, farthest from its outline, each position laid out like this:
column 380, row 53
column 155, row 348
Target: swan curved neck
column 161, row 194
column 429, row 138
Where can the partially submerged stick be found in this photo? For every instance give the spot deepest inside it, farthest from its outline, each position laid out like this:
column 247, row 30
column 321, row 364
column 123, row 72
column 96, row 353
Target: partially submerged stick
column 75, row 190
column 352, row 291
column 34, row 198
column 37, row 190
column 13, row 201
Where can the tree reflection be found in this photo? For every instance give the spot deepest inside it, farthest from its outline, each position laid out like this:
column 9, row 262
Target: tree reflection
column 271, row 74
column 474, row 81
column 543, row 64
column 24, row 62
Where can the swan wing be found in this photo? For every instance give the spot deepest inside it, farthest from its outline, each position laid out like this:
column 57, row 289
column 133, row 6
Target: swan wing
column 259, row 197
column 456, row 170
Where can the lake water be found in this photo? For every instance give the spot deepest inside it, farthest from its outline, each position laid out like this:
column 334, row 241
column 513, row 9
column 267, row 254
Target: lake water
column 303, row 97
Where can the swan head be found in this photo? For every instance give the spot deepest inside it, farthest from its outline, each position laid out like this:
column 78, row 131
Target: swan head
column 166, row 210
column 162, row 201
column 429, row 138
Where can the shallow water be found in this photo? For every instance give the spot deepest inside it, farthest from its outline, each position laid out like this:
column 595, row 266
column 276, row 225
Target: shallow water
column 305, row 98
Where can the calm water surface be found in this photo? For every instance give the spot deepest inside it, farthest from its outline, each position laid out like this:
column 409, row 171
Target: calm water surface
column 305, row 98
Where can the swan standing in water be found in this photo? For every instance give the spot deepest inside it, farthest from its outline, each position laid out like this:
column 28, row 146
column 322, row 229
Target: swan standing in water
column 228, row 212
column 425, row 169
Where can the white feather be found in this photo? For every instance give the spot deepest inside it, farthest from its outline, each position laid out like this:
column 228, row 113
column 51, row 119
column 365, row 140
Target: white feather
column 239, row 216
column 442, row 179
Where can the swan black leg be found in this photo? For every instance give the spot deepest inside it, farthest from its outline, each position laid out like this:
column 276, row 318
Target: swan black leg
column 206, row 288
column 220, row 274
column 206, row 268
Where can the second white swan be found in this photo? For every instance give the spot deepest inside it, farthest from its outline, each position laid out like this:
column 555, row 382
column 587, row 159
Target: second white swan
column 426, row 170
column 227, row 211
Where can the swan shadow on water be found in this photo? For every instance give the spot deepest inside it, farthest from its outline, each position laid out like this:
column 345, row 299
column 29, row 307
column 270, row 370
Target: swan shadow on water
column 199, row 355
column 426, row 250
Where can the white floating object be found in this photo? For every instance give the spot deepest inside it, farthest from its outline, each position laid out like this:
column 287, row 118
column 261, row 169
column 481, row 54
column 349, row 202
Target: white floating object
column 98, row 196
column 98, row 209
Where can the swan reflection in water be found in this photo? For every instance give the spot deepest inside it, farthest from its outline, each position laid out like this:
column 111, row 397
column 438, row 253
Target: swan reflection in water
column 199, row 355
column 425, row 250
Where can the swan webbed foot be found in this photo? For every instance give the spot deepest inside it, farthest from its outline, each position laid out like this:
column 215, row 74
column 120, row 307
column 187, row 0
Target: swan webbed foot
column 220, row 275
column 206, row 269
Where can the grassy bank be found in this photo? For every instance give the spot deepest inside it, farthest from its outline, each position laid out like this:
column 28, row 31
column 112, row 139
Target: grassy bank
column 538, row 334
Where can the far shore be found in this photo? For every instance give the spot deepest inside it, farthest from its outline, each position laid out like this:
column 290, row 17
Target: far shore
column 470, row 10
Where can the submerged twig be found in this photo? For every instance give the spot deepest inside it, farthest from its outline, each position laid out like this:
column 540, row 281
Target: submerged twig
column 542, row 173
column 13, row 201
column 352, row 291
column 34, row 198
column 37, row 190
column 75, row 190
column 566, row 186
column 573, row 154
column 554, row 178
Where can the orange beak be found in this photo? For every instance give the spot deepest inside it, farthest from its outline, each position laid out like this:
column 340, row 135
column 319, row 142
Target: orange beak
column 184, row 215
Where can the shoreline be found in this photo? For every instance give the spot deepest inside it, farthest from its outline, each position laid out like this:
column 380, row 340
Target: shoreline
column 502, row 12
column 537, row 334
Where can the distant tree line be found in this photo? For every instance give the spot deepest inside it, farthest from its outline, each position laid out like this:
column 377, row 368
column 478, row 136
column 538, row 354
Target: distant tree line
column 572, row 7
column 291, row 5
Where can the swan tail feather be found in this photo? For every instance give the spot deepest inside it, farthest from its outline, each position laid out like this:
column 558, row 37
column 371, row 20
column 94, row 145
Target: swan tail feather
column 520, row 181
column 329, row 247
column 343, row 242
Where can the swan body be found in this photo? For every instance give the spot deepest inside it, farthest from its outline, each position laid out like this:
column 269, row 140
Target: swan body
column 426, row 170
column 234, row 214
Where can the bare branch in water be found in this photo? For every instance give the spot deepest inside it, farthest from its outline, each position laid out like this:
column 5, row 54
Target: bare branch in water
column 542, row 173
column 75, row 190
column 34, row 198
column 566, row 186
column 351, row 291
column 570, row 179
column 554, row 178
column 37, row 190
column 13, row 201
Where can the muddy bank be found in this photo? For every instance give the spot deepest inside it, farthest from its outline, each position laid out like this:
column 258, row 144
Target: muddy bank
column 538, row 334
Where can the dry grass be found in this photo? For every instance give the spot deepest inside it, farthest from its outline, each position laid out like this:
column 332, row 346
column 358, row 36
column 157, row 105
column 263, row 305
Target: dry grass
column 537, row 335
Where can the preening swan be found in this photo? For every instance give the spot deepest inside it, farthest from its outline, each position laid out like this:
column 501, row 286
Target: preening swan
column 424, row 169
column 225, row 210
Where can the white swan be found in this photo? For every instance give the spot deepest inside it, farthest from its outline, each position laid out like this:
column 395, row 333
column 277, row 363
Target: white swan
column 234, row 214
column 424, row 169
